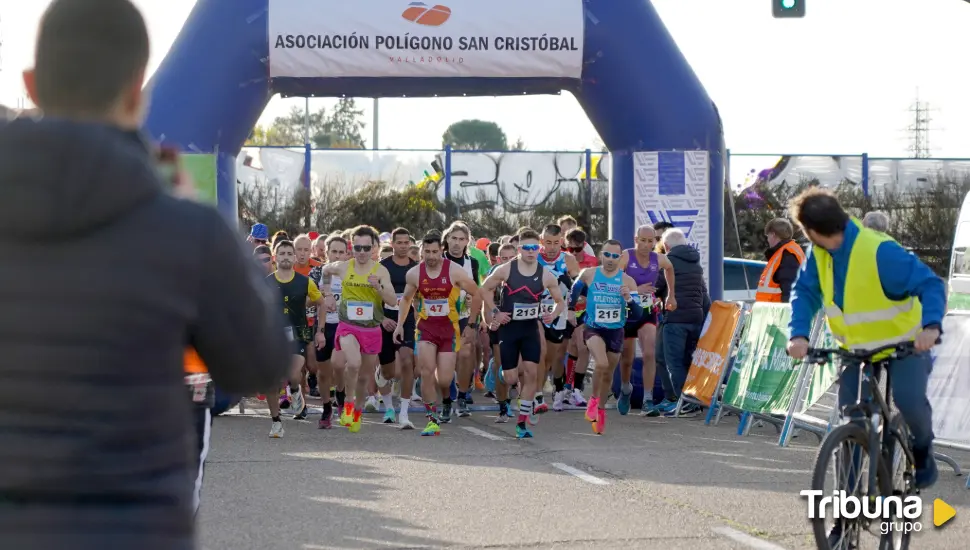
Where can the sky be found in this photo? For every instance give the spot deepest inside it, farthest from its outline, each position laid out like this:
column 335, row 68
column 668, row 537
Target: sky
column 842, row 79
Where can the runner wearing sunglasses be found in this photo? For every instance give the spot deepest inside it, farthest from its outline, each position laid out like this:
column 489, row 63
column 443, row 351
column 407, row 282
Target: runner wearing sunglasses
column 523, row 282
column 366, row 287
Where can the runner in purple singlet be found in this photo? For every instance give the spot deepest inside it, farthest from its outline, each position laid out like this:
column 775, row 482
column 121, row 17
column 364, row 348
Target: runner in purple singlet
column 644, row 266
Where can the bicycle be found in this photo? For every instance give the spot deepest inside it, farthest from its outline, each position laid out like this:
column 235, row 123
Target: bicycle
column 878, row 432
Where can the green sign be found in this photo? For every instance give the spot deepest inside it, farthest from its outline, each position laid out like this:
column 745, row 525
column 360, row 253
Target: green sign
column 823, row 376
column 764, row 377
column 202, row 169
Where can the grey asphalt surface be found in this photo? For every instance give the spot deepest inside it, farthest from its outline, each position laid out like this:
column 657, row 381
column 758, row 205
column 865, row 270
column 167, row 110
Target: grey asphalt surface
column 655, row 483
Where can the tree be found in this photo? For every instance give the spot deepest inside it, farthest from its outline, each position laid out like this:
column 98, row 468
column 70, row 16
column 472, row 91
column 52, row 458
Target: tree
column 476, row 135
column 341, row 129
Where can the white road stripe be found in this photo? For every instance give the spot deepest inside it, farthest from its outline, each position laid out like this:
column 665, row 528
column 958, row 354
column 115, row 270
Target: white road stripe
column 746, row 539
column 588, row 478
column 483, row 433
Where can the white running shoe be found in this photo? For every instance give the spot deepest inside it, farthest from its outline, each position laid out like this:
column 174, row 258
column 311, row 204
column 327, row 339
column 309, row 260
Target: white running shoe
column 370, row 405
column 276, row 431
column 557, row 400
column 576, row 398
column 403, row 422
column 379, row 378
column 296, row 401
column 548, row 387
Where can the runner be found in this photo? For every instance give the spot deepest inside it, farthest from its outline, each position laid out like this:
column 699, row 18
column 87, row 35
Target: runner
column 577, row 354
column 264, row 255
column 438, row 284
column 644, row 265
column 564, row 266
column 397, row 359
column 456, row 238
column 297, row 292
column 606, row 288
column 523, row 281
column 329, row 371
column 365, row 285
column 304, row 263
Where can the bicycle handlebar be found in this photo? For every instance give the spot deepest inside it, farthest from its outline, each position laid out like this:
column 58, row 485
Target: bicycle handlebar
column 900, row 350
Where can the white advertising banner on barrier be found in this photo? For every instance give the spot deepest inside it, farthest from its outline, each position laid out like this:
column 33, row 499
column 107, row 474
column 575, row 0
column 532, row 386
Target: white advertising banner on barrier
column 672, row 186
column 397, row 38
column 949, row 385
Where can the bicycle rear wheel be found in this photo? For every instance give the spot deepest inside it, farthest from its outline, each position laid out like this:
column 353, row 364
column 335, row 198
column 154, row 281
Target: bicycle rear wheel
column 844, row 454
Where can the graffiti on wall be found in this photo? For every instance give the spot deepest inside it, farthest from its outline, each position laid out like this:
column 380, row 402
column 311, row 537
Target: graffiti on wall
column 517, row 181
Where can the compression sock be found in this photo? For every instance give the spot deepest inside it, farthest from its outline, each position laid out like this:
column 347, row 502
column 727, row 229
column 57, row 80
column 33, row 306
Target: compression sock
column 525, row 410
column 560, row 383
column 570, row 369
column 327, row 411
column 580, row 381
column 431, row 411
column 341, row 398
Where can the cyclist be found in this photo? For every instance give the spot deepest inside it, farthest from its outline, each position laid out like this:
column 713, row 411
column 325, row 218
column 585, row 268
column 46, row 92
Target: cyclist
column 907, row 305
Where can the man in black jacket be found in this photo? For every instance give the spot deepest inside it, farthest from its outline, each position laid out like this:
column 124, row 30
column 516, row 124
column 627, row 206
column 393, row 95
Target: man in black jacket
column 94, row 323
column 681, row 328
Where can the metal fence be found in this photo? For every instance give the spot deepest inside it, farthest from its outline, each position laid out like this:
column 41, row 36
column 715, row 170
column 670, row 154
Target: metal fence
column 520, row 180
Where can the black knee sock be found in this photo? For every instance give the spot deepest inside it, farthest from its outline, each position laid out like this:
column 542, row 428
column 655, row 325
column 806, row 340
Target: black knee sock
column 327, row 410
column 341, row 397
column 579, row 381
column 559, row 382
column 446, row 401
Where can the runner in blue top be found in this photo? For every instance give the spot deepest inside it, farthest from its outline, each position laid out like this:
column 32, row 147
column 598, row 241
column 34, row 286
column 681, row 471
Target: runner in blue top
column 610, row 293
column 565, row 268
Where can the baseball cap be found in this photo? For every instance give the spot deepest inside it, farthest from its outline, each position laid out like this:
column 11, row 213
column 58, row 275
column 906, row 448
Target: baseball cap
column 482, row 244
column 259, row 231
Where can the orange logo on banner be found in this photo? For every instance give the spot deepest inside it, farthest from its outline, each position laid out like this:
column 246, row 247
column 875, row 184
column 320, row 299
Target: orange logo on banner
column 422, row 14
column 711, row 355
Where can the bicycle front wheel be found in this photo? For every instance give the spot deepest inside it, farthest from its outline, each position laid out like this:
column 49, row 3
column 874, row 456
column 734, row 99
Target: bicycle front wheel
column 843, row 464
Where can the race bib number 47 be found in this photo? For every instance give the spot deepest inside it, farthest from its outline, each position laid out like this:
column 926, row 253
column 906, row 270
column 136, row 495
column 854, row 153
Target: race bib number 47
column 437, row 308
column 360, row 311
column 608, row 314
column 524, row 312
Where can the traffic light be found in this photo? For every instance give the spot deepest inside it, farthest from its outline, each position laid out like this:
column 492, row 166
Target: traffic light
column 788, row 8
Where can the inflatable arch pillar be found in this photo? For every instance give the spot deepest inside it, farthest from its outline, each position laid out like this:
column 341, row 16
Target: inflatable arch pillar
column 636, row 87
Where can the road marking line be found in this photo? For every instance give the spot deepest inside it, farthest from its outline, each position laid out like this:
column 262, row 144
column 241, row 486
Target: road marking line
column 588, row 478
column 483, row 433
column 746, row 539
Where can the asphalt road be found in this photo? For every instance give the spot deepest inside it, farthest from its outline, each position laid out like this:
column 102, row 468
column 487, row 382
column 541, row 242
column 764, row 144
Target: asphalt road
column 646, row 483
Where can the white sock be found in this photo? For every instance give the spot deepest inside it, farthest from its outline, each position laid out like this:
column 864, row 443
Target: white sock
column 388, row 400
column 405, row 403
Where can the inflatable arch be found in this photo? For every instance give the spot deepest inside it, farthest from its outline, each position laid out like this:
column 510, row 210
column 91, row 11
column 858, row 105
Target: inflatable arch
column 631, row 79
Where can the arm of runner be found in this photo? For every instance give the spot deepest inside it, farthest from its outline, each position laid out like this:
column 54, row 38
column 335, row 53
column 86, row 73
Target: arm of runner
column 551, row 282
column 572, row 266
column 313, row 295
column 664, row 262
column 632, row 300
column 467, row 284
column 624, row 259
column 579, row 289
column 407, row 299
column 331, row 269
column 386, row 288
column 487, row 291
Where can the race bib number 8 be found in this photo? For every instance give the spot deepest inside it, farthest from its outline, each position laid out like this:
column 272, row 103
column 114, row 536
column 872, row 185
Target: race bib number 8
column 608, row 314
column 547, row 307
column 360, row 311
column 524, row 312
column 437, row 308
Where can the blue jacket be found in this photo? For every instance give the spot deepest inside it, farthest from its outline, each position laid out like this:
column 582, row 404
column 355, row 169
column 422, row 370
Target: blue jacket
column 902, row 274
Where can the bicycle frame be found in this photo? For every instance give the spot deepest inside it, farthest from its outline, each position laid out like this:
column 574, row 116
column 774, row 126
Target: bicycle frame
column 870, row 407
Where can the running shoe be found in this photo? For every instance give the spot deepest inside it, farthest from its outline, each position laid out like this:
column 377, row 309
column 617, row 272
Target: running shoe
column 276, row 431
column 686, row 410
column 658, row 409
column 463, row 410
column 379, row 377
column 599, row 425
column 558, row 400
column 389, row 416
column 297, row 403
column 623, row 403
column 325, row 423
column 431, row 429
column 576, row 398
column 522, row 432
column 540, row 408
column 347, row 414
column 479, row 385
column 404, row 423
column 445, row 414
column 591, row 409
column 468, row 398
column 302, row 415
column 354, row 426
column 370, row 404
